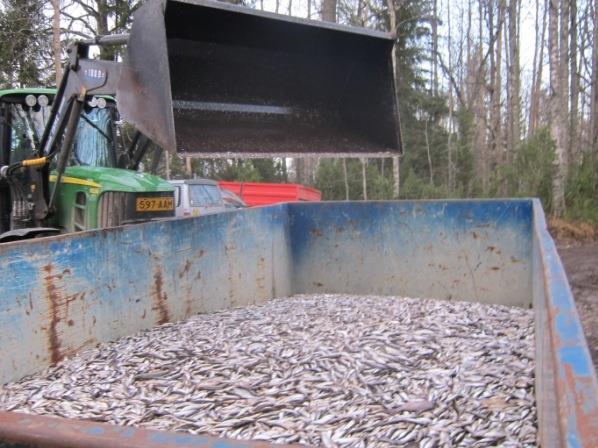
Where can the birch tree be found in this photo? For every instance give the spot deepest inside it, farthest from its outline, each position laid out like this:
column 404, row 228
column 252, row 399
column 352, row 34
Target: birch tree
column 557, row 121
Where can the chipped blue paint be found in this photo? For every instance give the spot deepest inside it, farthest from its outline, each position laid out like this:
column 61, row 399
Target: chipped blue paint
column 572, row 439
column 170, row 439
column 575, row 357
column 189, row 440
column 127, row 432
column 95, row 431
column 63, row 294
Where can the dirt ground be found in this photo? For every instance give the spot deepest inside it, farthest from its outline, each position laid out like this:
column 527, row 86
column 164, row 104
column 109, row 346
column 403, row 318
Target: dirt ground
column 581, row 264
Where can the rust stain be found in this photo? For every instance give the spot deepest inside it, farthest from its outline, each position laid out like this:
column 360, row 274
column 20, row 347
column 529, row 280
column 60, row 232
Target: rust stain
column 185, row 269
column 53, row 299
column 188, row 301
column 315, row 232
column 475, row 235
column 515, row 260
column 160, row 298
column 495, row 268
column 586, row 421
column 490, row 249
column 58, row 306
column 261, row 267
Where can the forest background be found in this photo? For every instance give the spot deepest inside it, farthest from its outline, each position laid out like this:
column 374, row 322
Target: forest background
column 497, row 98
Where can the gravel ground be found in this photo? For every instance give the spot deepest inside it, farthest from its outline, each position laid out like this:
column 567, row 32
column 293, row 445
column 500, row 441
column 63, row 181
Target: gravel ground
column 328, row 370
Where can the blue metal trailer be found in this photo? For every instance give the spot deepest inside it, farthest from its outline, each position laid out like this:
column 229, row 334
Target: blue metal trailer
column 63, row 294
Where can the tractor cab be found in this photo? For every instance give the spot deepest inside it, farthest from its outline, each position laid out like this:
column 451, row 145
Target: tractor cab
column 93, row 191
column 26, row 113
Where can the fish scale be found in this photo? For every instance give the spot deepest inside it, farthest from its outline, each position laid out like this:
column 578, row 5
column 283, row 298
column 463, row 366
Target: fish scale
column 328, row 370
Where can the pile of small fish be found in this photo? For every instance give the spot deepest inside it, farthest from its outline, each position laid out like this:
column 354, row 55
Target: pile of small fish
column 328, row 370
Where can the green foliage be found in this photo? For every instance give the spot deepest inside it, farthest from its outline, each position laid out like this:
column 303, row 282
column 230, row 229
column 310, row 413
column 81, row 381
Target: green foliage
column 531, row 172
column 250, row 170
column 25, row 51
column 330, row 179
column 582, row 190
column 413, row 187
column 463, row 155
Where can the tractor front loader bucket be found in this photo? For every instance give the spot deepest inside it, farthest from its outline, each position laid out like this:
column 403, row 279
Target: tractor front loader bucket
column 208, row 79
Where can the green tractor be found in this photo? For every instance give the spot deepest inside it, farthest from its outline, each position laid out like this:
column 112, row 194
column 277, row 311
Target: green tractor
column 94, row 190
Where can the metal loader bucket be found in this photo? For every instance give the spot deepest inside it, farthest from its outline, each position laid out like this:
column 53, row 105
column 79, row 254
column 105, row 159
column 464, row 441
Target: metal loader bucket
column 212, row 79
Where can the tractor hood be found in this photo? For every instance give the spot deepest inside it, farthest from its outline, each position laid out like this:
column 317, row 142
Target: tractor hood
column 115, row 179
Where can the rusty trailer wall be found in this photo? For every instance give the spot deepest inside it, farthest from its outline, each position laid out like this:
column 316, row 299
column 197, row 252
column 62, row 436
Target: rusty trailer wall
column 63, row 294
column 60, row 295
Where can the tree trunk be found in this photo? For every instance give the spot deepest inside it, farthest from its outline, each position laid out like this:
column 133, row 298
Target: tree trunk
column 513, row 82
column 534, row 108
column 392, row 14
column 364, row 179
column 594, row 98
column 450, row 176
column 396, row 173
column 480, row 143
column 329, row 10
column 103, row 10
column 346, row 179
column 574, row 90
column 434, row 55
column 564, row 70
column 496, row 120
column 532, row 90
column 556, row 123
column 56, row 49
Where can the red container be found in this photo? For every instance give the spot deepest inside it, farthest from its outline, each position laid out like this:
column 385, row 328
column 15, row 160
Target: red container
column 262, row 193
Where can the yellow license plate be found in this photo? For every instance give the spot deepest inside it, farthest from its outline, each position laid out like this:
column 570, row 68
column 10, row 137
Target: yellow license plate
column 154, row 204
